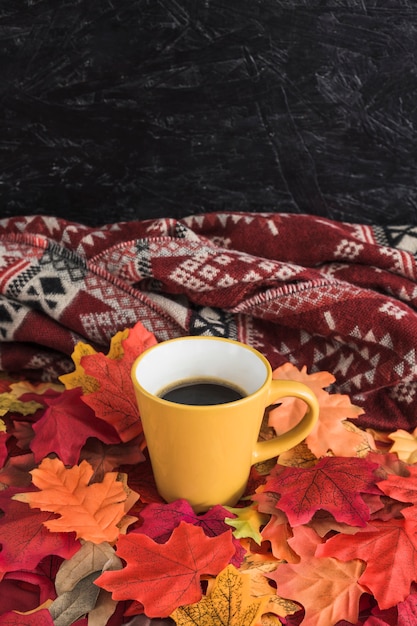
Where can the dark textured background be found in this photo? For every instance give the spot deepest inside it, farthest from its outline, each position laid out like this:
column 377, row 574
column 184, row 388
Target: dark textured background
column 124, row 109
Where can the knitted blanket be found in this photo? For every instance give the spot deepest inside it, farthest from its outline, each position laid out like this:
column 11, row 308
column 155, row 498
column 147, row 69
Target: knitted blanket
column 328, row 295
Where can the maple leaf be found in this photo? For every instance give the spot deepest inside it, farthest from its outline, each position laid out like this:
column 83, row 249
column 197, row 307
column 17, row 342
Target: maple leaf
column 257, row 566
column 92, row 511
column 329, row 433
column 106, row 457
column 404, row 489
column 10, row 404
column 24, row 538
column 78, row 378
column 165, row 576
column 16, row 470
column 65, row 427
column 277, row 531
column 389, row 549
column 334, row 484
column 160, row 519
column 405, row 445
column 229, row 604
column 115, row 400
column 327, row 588
column 247, row 522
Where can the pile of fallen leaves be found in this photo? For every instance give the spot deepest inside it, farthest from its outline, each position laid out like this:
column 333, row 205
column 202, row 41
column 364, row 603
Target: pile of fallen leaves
column 328, row 535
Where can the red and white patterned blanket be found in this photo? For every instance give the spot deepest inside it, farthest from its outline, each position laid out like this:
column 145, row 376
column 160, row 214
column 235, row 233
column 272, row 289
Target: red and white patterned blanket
column 328, row 295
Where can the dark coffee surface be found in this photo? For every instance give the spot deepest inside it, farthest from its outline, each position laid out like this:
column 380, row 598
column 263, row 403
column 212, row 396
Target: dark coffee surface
column 202, row 393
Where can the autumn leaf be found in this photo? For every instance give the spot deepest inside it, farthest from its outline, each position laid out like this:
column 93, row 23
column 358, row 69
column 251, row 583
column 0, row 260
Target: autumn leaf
column 10, row 404
column 334, row 484
column 229, row 604
column 160, row 519
column 405, row 445
column 165, row 576
column 327, row 588
column 65, row 426
column 115, row 400
column 15, row 471
column 92, row 511
column 78, row 378
column 107, row 457
column 329, row 433
column 247, row 522
column 24, row 537
column 389, row 549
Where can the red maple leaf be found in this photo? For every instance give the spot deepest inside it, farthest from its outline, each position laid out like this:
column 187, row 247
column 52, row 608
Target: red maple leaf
column 389, row 549
column 65, row 427
column 165, row 576
column 25, row 540
column 115, row 401
column 334, row 484
column 160, row 519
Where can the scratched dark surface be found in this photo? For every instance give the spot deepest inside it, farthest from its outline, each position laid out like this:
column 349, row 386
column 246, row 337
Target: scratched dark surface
column 131, row 109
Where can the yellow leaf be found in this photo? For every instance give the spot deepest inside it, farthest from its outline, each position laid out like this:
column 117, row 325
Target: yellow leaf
column 78, row 377
column 3, row 427
column 9, row 403
column 23, row 386
column 93, row 511
column 247, row 523
column 229, row 604
column 405, row 445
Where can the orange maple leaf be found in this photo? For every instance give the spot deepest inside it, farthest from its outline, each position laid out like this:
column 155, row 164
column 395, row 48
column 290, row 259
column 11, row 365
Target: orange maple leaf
column 329, row 433
column 327, row 588
column 92, row 511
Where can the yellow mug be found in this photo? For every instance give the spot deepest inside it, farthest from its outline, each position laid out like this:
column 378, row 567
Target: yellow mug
column 203, row 453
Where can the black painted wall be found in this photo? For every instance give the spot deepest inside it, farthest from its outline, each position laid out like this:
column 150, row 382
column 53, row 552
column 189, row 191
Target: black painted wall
column 125, row 109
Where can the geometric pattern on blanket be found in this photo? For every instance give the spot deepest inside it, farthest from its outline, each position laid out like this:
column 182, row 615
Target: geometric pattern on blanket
column 329, row 295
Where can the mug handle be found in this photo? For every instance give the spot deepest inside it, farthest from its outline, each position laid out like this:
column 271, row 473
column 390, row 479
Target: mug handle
column 265, row 450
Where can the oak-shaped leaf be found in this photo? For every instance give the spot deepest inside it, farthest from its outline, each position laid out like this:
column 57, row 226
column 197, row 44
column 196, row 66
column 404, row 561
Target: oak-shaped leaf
column 229, row 604
column 115, row 400
column 334, row 484
column 389, row 549
column 66, row 425
column 327, row 588
column 92, row 511
column 25, row 540
column 160, row 519
column 165, row 576
column 329, row 432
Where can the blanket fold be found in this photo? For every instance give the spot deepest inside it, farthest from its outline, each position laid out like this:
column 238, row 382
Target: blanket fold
column 329, row 295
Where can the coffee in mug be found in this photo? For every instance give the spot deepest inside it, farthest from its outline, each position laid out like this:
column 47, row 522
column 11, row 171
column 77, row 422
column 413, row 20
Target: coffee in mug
column 201, row 401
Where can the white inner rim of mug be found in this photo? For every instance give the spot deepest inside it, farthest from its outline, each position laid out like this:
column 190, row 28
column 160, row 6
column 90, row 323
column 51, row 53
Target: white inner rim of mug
column 185, row 359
